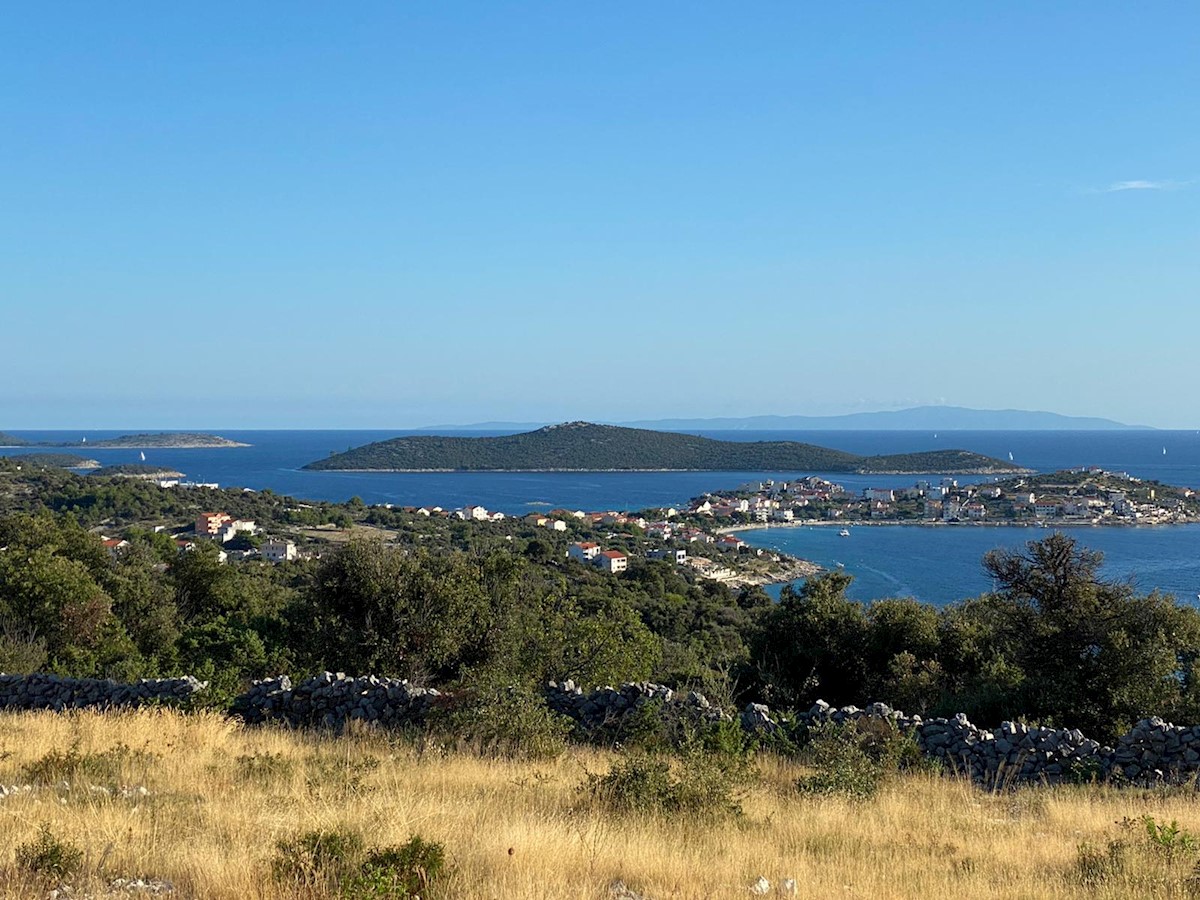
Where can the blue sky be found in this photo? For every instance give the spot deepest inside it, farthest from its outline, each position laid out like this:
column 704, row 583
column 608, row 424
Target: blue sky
column 397, row 214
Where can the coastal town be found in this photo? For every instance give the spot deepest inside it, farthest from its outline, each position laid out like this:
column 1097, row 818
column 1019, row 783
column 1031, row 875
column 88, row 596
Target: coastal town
column 701, row 537
column 1083, row 496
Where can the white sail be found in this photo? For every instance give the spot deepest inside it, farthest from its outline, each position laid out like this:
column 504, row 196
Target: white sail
column 143, row 455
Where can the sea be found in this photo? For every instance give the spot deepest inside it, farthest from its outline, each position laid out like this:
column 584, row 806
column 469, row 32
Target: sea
column 938, row 565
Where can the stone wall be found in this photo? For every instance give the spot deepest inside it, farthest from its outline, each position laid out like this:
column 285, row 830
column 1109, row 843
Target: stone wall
column 330, row 700
column 58, row 693
column 1151, row 751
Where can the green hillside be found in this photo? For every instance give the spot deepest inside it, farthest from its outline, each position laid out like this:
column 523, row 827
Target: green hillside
column 581, row 446
column 9, row 440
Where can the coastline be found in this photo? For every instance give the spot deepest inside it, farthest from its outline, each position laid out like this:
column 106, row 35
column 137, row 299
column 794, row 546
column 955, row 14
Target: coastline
column 923, row 523
column 651, row 471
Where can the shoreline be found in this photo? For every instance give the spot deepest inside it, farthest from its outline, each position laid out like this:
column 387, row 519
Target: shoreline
column 652, row 471
column 901, row 523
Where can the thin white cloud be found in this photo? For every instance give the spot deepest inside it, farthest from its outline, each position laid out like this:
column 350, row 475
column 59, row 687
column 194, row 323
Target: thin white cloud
column 1142, row 185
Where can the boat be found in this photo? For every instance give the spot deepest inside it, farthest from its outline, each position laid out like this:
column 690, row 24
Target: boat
column 1010, row 456
column 845, row 532
column 142, row 454
column 1164, row 451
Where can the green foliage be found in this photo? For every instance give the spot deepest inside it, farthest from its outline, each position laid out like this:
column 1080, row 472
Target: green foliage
column 409, row 870
column 499, row 717
column 49, row 856
column 1148, row 858
column 318, row 859
column 339, row 864
column 810, row 644
column 1169, row 838
column 693, row 784
column 854, row 760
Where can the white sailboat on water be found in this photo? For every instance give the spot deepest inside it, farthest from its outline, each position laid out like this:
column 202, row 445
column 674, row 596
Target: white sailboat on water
column 1010, row 457
column 142, row 454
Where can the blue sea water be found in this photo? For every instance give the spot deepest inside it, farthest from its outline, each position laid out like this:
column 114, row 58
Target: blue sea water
column 938, row 565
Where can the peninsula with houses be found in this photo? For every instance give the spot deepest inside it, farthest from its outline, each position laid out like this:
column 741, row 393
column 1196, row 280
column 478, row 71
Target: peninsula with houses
column 1083, row 496
column 586, row 447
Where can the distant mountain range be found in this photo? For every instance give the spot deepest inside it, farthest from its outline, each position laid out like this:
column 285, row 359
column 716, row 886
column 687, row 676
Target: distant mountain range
column 919, row 418
column 584, row 447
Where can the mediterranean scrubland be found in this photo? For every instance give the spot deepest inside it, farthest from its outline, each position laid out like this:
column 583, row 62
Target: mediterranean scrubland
column 196, row 803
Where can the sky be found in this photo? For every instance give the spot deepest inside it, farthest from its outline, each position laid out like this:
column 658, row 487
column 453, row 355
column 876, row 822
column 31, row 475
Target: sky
column 401, row 214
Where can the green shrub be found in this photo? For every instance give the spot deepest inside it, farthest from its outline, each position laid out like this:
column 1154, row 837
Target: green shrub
column 1149, row 858
column 1169, row 839
column 508, row 718
column 318, row 859
column 695, row 784
column 854, row 759
column 339, row 864
column 49, row 856
column 405, row 871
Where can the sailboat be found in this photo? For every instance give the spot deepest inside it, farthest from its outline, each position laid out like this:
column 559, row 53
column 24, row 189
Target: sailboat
column 1010, row 456
column 142, row 454
column 1164, row 451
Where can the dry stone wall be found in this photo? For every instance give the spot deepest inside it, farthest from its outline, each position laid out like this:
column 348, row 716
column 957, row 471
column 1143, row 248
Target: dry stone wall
column 1152, row 751
column 41, row 691
column 330, row 700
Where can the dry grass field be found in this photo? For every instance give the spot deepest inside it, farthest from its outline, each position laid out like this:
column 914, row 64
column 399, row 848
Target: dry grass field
column 219, row 798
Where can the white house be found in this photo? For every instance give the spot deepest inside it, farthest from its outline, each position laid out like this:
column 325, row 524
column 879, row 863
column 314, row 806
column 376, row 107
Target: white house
column 679, row 557
column 229, row 530
column 612, row 561
column 584, row 551
column 277, row 550
column 557, row 525
column 476, row 513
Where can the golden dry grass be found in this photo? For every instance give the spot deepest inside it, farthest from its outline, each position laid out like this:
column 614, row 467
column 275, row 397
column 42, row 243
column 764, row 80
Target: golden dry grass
column 221, row 797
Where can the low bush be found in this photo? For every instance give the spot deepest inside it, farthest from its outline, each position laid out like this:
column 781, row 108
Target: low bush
column 405, row 871
column 694, row 784
column 1148, row 858
column 854, row 759
column 505, row 717
column 48, row 856
column 338, row 864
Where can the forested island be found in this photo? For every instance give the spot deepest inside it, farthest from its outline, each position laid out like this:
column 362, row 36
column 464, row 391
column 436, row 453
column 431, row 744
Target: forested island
column 582, row 446
column 54, row 461
column 178, row 440
column 166, row 440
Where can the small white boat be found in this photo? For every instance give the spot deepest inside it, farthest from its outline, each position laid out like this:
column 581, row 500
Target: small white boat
column 845, row 532
column 1010, row 456
column 142, row 454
